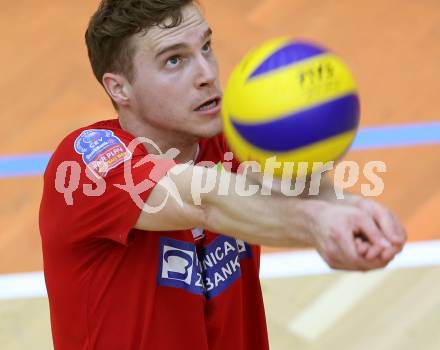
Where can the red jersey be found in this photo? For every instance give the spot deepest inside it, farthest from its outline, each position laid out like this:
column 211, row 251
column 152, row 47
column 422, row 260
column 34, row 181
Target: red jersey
column 114, row 287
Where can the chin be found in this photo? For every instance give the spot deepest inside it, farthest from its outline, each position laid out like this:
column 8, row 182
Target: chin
column 212, row 129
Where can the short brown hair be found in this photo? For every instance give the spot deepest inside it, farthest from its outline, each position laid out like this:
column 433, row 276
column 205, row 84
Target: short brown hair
column 113, row 24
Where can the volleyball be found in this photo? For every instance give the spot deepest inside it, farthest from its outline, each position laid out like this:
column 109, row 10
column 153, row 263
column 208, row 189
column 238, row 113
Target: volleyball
column 292, row 100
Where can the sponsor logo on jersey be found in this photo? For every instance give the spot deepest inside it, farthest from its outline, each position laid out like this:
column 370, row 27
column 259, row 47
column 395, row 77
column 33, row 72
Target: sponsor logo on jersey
column 101, row 150
column 179, row 266
column 220, row 265
column 210, row 271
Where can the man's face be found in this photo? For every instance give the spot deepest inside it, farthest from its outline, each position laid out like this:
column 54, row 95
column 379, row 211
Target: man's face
column 176, row 85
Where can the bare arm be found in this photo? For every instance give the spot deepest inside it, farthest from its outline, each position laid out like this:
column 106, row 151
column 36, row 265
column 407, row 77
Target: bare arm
column 275, row 220
column 266, row 220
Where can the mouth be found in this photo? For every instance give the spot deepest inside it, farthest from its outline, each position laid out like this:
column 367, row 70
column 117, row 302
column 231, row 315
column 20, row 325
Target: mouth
column 211, row 105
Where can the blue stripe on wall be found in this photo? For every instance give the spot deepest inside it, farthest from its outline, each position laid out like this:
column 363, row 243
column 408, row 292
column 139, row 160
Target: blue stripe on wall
column 23, row 165
column 397, row 136
column 367, row 138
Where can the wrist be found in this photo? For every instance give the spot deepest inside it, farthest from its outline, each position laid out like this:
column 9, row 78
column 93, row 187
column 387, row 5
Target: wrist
column 306, row 222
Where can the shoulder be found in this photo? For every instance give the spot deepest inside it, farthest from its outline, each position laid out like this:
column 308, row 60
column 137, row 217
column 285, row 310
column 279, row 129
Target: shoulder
column 101, row 146
column 103, row 133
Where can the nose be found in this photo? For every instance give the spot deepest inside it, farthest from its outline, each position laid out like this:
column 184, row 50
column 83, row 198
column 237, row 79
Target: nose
column 207, row 71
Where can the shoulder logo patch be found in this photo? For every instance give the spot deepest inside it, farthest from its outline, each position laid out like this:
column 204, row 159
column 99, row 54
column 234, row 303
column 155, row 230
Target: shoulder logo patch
column 101, row 150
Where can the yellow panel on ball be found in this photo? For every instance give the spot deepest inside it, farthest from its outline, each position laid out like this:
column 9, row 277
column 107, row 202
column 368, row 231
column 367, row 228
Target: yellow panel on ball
column 287, row 89
column 293, row 100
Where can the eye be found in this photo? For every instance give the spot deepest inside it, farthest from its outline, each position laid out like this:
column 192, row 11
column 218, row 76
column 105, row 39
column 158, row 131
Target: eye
column 207, row 47
column 173, row 61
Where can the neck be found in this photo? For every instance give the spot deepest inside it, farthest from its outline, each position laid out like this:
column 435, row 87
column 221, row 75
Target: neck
column 164, row 139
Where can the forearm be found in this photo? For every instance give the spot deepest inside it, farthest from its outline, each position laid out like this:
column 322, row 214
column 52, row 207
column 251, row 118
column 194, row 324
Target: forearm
column 273, row 220
column 327, row 191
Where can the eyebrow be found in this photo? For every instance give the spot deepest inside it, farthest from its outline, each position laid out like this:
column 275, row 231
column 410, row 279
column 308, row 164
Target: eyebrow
column 205, row 36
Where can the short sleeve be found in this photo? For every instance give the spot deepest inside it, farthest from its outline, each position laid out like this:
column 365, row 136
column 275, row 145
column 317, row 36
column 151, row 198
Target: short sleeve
column 114, row 183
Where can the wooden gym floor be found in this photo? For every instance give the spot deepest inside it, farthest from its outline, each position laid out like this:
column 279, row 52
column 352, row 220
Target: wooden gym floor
column 393, row 47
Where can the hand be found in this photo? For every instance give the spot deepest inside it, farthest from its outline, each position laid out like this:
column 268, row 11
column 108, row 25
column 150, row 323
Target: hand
column 348, row 238
column 387, row 223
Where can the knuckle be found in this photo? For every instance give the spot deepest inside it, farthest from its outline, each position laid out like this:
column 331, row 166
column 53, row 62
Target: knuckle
column 364, row 221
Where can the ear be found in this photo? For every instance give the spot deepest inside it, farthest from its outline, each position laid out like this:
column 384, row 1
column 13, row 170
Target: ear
column 118, row 88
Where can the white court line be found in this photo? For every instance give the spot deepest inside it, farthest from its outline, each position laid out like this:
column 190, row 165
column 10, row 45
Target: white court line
column 22, row 286
column 306, row 263
column 273, row 265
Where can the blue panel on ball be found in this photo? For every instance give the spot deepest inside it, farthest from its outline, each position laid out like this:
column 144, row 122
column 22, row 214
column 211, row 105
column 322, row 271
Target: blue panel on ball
column 287, row 55
column 303, row 128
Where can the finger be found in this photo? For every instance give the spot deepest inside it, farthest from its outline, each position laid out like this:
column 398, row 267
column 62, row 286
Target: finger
column 403, row 236
column 372, row 233
column 348, row 246
column 385, row 220
column 376, row 247
column 377, row 263
column 361, row 263
column 338, row 264
column 381, row 261
column 389, row 253
column 361, row 246
column 388, row 225
column 382, row 256
column 340, row 254
column 374, row 252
